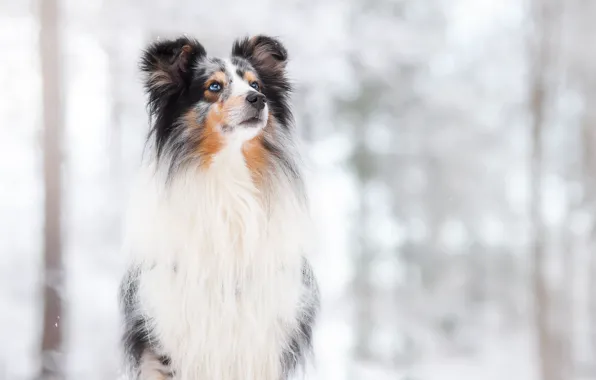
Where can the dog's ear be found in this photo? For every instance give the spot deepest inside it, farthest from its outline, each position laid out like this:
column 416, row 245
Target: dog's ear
column 167, row 66
column 265, row 53
column 269, row 57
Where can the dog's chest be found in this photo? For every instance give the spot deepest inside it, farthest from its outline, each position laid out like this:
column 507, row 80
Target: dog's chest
column 221, row 325
column 222, row 279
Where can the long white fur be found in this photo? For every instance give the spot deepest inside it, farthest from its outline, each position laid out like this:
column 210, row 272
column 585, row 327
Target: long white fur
column 221, row 281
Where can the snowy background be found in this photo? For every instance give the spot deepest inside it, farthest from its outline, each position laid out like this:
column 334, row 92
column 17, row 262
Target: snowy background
column 416, row 118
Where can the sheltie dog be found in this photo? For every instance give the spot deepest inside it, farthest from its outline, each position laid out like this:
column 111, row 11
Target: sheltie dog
column 218, row 286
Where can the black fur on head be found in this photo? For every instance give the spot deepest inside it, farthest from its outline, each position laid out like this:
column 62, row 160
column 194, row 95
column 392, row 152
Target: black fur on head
column 269, row 57
column 178, row 74
column 168, row 66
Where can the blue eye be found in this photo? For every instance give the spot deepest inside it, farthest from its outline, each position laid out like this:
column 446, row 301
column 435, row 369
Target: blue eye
column 215, row 87
column 255, row 85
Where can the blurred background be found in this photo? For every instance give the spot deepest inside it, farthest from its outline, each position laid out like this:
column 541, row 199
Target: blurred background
column 451, row 164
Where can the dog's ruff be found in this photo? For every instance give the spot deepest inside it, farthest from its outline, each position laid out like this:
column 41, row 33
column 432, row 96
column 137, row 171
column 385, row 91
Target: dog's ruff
column 218, row 287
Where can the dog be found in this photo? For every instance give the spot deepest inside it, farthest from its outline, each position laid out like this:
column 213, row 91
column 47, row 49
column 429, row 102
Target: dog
column 218, row 286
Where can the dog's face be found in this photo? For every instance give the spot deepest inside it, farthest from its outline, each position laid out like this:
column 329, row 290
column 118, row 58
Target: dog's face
column 231, row 93
column 201, row 103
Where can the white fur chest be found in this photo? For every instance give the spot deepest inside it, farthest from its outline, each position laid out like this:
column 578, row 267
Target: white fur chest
column 221, row 278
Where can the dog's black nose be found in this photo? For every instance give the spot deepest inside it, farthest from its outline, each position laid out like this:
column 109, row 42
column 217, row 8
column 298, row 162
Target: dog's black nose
column 256, row 99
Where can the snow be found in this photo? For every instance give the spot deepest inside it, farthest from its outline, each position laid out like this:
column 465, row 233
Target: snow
column 452, row 72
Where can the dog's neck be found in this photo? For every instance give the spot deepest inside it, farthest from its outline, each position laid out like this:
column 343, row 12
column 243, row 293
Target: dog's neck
column 221, row 206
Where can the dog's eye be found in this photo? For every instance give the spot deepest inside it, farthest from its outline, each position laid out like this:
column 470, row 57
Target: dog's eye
column 255, row 85
column 215, row 87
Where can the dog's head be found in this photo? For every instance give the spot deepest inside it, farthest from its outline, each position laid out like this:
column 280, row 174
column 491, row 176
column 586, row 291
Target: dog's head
column 201, row 103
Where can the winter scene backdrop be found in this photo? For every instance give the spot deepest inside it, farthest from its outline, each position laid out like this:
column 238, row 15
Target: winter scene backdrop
column 450, row 150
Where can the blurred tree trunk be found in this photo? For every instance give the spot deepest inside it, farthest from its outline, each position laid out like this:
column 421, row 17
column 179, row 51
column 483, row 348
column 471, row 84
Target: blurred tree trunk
column 580, row 61
column 549, row 347
column 115, row 152
column 112, row 30
column 117, row 108
column 589, row 184
column 566, row 305
column 52, row 366
column 364, row 256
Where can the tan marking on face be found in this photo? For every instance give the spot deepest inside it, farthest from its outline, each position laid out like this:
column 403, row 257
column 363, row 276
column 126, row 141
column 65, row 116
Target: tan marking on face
column 270, row 120
column 250, row 77
column 255, row 154
column 256, row 158
column 217, row 77
column 211, row 141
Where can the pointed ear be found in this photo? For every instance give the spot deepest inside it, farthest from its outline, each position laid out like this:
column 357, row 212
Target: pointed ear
column 263, row 52
column 167, row 66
